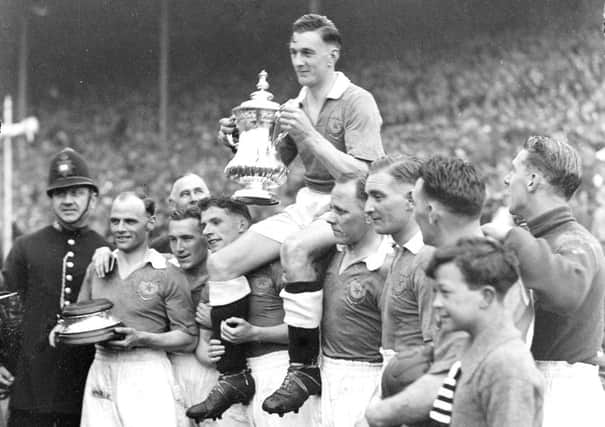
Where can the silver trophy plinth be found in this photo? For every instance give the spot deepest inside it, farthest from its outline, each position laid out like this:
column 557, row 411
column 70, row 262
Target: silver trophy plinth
column 257, row 165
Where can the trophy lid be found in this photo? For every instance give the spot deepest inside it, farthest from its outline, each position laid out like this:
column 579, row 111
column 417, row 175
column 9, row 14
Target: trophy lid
column 262, row 98
column 87, row 307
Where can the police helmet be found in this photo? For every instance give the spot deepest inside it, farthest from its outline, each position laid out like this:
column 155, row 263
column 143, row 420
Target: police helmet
column 69, row 169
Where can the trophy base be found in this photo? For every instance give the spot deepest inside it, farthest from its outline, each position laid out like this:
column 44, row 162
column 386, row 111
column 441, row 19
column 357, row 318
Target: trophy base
column 255, row 197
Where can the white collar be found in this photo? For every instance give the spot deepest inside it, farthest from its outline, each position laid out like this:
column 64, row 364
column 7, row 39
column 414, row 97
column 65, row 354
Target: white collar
column 341, row 84
column 415, row 244
column 153, row 257
column 376, row 256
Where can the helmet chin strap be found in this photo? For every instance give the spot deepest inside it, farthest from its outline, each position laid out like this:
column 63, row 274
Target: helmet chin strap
column 71, row 225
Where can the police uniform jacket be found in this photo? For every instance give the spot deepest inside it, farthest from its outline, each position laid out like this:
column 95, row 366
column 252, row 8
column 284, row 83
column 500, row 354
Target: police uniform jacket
column 49, row 379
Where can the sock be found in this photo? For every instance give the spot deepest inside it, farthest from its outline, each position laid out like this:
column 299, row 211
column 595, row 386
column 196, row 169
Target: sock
column 234, row 359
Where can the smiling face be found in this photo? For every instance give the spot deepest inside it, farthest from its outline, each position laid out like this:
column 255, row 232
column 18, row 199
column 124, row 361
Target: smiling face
column 456, row 305
column 346, row 216
column 187, row 242
column 312, row 58
column 221, row 227
column 70, row 204
column 388, row 204
column 129, row 224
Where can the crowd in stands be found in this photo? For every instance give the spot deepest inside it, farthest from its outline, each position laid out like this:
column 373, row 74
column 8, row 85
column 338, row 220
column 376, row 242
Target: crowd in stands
column 478, row 99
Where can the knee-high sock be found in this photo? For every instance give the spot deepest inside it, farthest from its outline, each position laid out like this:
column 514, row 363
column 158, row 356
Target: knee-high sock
column 234, row 359
column 303, row 309
column 303, row 345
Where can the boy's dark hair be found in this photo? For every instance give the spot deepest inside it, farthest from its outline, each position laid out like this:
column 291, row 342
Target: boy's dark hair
column 230, row 205
column 313, row 22
column 454, row 183
column 557, row 161
column 482, row 261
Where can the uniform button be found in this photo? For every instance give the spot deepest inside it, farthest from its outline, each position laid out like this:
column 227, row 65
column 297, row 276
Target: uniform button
column 70, row 264
column 67, row 291
column 71, row 242
column 69, row 254
column 66, row 303
column 68, row 277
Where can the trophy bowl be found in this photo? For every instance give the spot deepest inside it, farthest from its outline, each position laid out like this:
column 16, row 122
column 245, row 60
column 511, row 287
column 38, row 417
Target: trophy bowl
column 87, row 322
column 257, row 164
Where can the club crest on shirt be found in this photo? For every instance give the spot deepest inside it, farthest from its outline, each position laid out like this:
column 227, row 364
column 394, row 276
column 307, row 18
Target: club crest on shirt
column 146, row 290
column 356, row 291
column 335, row 127
column 401, row 285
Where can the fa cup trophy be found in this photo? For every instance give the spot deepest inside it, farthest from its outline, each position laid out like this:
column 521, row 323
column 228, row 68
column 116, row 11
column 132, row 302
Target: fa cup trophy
column 257, row 164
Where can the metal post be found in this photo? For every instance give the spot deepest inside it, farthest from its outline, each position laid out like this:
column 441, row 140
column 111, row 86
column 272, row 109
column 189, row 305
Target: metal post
column 314, row 6
column 164, row 58
column 7, row 216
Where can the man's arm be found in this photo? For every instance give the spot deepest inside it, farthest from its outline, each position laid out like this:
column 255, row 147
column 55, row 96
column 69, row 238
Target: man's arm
column 562, row 279
column 175, row 340
column 15, row 269
column 411, row 405
column 238, row 331
column 299, row 127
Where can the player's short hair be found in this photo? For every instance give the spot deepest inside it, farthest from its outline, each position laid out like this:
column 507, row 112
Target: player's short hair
column 148, row 202
column 313, row 22
column 405, row 169
column 232, row 206
column 454, row 183
column 191, row 212
column 360, row 183
column 558, row 161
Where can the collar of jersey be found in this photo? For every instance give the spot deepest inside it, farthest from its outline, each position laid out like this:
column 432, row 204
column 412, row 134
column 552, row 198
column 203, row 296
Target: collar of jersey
column 341, row 84
column 152, row 257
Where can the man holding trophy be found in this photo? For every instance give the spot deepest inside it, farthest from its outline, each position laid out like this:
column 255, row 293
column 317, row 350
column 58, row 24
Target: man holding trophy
column 334, row 126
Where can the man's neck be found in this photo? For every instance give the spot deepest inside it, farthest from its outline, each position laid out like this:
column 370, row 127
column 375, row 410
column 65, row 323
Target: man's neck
column 405, row 234
column 540, row 206
column 61, row 226
column 458, row 230
column 197, row 271
column 361, row 248
column 136, row 256
column 319, row 92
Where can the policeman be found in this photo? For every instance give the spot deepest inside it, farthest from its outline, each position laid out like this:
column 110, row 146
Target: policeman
column 46, row 267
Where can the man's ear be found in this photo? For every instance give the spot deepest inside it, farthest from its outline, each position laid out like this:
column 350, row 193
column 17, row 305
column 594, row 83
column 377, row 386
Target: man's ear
column 151, row 223
column 433, row 213
column 92, row 203
column 534, row 182
column 334, row 55
column 489, row 295
column 242, row 225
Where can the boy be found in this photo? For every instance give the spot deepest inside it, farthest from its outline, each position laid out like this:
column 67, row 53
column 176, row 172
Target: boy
column 498, row 383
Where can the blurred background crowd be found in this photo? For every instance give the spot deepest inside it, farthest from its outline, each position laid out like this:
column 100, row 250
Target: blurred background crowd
column 466, row 77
